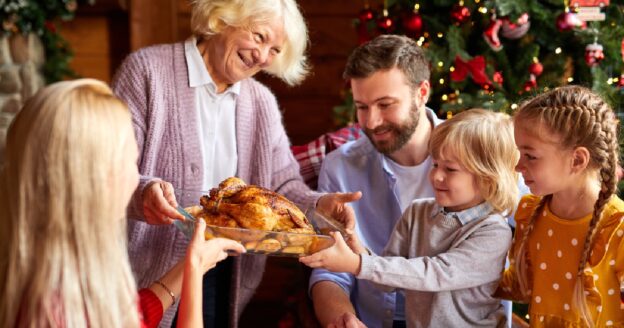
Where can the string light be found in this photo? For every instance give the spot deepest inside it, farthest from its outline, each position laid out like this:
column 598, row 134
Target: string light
column 444, row 97
column 558, row 50
column 441, row 81
column 482, row 10
column 570, row 79
column 440, row 64
column 440, row 34
column 514, row 106
column 452, row 69
column 449, row 115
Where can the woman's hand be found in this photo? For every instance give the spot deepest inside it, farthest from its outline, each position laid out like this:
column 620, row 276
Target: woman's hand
column 335, row 206
column 203, row 254
column 159, row 203
column 338, row 258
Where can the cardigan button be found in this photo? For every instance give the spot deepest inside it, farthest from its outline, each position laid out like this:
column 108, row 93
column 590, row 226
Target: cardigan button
column 194, row 169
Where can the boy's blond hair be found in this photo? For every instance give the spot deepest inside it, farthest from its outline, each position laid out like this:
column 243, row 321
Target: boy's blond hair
column 483, row 143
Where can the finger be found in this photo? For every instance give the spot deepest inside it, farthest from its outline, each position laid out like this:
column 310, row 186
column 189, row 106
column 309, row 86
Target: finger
column 154, row 218
column 340, row 242
column 169, row 193
column 347, row 197
column 230, row 245
column 200, row 232
column 349, row 219
column 309, row 260
column 160, row 204
column 351, row 321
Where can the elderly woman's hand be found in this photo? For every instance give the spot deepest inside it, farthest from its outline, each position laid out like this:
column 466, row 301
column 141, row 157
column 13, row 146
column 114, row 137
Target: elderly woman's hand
column 335, row 206
column 159, row 203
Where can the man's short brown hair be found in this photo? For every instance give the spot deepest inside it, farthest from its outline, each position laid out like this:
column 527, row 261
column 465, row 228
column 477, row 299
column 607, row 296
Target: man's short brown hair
column 385, row 52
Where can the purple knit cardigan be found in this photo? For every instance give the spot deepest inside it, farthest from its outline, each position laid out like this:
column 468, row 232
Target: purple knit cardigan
column 155, row 84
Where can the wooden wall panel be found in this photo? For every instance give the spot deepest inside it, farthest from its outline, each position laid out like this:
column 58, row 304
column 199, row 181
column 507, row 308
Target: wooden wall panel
column 152, row 22
column 90, row 46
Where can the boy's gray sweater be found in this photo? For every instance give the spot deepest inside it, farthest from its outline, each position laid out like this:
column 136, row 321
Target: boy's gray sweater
column 448, row 270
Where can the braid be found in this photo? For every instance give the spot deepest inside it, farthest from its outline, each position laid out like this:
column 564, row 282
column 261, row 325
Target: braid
column 522, row 262
column 594, row 126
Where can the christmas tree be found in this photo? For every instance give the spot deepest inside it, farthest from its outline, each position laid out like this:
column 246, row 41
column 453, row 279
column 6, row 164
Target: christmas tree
column 494, row 53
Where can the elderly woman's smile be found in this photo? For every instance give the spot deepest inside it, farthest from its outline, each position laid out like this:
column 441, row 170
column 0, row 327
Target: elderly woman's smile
column 238, row 53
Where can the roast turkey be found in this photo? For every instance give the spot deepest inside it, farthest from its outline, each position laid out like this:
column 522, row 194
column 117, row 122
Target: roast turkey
column 237, row 204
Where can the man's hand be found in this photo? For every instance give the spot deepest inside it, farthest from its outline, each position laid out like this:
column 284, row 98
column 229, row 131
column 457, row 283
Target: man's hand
column 335, row 206
column 159, row 203
column 347, row 320
column 338, row 258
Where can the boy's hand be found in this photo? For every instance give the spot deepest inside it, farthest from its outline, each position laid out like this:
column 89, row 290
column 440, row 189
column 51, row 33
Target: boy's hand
column 355, row 244
column 338, row 258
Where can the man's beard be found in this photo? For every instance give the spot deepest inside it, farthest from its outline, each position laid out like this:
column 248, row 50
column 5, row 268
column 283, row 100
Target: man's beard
column 402, row 133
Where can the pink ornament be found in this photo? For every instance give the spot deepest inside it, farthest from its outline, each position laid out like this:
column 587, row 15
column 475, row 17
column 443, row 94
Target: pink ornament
column 566, row 21
column 515, row 30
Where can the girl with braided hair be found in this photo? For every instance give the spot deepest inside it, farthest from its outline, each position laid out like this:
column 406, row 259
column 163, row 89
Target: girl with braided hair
column 567, row 257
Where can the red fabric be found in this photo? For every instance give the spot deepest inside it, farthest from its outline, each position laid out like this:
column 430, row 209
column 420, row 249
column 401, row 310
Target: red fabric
column 310, row 156
column 150, row 308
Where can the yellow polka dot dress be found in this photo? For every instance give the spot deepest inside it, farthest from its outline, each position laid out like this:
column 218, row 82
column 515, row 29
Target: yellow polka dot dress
column 554, row 251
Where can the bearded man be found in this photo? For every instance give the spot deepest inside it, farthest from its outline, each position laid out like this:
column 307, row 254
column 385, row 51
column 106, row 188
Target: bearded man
column 389, row 79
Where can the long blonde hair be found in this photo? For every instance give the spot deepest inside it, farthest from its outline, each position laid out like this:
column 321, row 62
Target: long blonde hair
column 580, row 118
column 63, row 252
column 210, row 17
column 483, row 143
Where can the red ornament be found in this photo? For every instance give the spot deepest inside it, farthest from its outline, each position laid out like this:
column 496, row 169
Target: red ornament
column 365, row 15
column 385, row 24
column 490, row 34
column 460, row 14
column 515, row 30
column 498, row 77
column 566, row 21
column 530, row 84
column 621, row 81
column 593, row 54
column 413, row 24
column 622, row 49
column 536, row 68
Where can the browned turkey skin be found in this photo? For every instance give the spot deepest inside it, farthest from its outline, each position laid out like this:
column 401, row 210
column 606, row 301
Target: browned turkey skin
column 236, row 204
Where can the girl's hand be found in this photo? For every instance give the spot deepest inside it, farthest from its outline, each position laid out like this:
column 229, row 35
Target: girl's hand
column 335, row 205
column 204, row 254
column 338, row 258
column 159, row 203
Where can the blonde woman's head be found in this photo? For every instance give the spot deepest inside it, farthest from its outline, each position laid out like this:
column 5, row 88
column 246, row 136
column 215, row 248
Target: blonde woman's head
column 70, row 166
column 482, row 142
column 212, row 17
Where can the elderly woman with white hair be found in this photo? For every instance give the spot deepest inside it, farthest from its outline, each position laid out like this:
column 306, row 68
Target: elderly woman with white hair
column 200, row 117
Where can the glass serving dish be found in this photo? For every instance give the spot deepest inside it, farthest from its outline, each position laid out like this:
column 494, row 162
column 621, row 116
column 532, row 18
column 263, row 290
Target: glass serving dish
column 271, row 243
